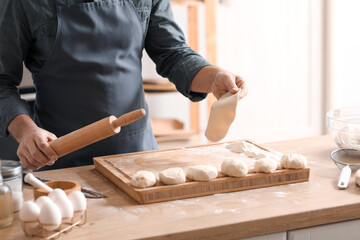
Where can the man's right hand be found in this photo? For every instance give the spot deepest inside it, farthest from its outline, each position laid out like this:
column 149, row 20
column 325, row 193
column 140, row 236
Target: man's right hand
column 34, row 150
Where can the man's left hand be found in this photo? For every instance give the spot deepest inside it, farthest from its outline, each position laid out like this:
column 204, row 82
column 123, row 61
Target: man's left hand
column 228, row 82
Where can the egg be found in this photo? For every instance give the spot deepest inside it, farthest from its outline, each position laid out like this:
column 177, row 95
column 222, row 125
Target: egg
column 56, row 194
column 66, row 208
column 50, row 216
column 63, row 202
column 41, row 200
column 78, row 201
column 30, row 212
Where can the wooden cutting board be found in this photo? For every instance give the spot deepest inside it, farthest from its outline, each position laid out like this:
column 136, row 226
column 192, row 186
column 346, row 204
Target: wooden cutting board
column 120, row 168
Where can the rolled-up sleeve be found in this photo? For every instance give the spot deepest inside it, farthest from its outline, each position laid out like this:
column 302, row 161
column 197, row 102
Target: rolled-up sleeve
column 14, row 41
column 166, row 46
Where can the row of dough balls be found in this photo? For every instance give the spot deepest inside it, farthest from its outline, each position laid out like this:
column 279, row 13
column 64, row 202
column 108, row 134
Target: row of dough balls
column 267, row 164
column 175, row 175
column 230, row 167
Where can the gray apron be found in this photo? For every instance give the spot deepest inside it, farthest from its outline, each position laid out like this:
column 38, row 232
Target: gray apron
column 94, row 71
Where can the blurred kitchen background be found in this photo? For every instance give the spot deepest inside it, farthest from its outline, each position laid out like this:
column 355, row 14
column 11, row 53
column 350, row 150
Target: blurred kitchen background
column 298, row 57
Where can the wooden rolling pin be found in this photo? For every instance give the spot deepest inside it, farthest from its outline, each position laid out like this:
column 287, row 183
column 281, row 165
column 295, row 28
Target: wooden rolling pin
column 94, row 132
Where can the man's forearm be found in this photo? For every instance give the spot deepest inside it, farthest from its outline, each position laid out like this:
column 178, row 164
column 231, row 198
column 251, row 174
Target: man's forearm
column 204, row 79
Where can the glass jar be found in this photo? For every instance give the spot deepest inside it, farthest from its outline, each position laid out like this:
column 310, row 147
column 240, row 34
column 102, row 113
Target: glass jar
column 6, row 215
column 12, row 175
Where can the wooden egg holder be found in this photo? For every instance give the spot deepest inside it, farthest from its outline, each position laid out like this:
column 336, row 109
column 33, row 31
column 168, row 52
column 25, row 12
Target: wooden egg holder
column 79, row 218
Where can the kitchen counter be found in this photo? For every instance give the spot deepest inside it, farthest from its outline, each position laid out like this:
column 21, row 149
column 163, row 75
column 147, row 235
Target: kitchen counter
column 220, row 216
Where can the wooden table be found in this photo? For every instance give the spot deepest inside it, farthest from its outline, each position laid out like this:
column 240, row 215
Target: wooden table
column 220, row 216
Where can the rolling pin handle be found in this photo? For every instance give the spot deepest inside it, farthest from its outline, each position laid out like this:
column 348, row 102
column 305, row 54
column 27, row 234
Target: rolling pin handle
column 128, row 118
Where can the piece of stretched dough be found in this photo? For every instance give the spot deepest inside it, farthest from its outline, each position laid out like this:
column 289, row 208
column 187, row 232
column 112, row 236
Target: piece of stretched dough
column 222, row 114
column 265, row 165
column 293, row 161
column 234, row 167
column 143, row 179
column 203, row 173
column 172, row 176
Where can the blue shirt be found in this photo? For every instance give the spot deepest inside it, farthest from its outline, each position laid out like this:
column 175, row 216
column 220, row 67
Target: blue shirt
column 28, row 31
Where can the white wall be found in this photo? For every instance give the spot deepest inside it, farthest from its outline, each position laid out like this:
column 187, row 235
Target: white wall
column 271, row 45
column 344, row 52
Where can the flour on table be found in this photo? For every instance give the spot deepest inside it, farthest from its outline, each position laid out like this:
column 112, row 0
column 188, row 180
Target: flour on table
column 265, row 165
column 293, row 161
column 143, row 179
column 234, row 167
column 172, row 176
column 203, row 173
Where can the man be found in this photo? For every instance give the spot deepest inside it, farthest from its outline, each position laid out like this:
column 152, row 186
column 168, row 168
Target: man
column 85, row 58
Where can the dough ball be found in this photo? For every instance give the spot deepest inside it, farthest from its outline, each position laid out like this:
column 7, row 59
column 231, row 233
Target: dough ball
column 272, row 156
column 203, row 173
column 250, row 150
column 293, row 161
column 172, row 176
column 357, row 177
column 143, row 179
column 237, row 147
column 234, row 168
column 265, row 165
column 260, row 155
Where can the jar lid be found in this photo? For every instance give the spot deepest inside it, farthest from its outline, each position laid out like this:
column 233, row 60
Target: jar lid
column 10, row 168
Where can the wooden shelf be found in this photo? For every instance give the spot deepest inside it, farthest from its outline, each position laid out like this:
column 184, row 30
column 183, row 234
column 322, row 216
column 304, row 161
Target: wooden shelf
column 159, row 87
column 187, row 2
column 176, row 135
column 166, row 129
